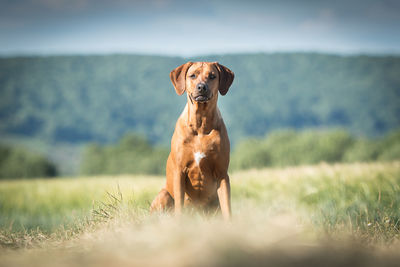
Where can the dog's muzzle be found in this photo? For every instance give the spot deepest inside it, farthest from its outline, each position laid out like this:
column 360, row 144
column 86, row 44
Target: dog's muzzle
column 202, row 94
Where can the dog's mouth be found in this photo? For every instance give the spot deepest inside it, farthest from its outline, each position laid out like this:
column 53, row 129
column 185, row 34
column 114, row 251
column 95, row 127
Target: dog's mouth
column 201, row 98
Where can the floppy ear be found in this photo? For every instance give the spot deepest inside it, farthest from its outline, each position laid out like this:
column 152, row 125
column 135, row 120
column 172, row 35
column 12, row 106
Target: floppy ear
column 178, row 77
column 225, row 78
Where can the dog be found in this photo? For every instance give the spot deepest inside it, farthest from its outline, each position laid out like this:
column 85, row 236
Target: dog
column 197, row 166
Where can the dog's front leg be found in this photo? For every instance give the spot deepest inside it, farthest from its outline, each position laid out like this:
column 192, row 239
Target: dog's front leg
column 179, row 192
column 224, row 196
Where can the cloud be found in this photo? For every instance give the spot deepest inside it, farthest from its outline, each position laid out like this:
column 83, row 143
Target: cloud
column 323, row 22
column 167, row 26
column 62, row 4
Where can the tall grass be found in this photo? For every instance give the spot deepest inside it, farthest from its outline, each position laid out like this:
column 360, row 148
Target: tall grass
column 301, row 215
column 48, row 204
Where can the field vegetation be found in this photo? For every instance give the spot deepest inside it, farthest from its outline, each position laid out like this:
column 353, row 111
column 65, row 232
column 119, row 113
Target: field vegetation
column 326, row 214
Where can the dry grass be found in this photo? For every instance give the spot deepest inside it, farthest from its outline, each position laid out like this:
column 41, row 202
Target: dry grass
column 325, row 215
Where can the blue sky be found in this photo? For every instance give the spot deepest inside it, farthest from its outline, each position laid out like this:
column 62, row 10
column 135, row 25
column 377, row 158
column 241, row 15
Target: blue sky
column 189, row 28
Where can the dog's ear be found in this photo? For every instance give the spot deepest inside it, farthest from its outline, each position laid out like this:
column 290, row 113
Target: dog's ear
column 226, row 77
column 178, row 77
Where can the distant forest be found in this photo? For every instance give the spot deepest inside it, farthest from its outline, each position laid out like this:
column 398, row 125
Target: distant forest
column 79, row 99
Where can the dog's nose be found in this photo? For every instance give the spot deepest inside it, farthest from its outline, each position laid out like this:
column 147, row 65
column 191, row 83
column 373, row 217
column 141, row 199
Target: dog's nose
column 202, row 87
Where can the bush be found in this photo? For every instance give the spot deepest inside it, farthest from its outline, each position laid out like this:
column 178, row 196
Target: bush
column 17, row 162
column 282, row 147
column 391, row 153
column 390, row 146
column 250, row 154
column 328, row 146
column 362, row 150
column 288, row 147
column 132, row 154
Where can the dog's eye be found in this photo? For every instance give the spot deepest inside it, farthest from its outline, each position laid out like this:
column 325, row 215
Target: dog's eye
column 212, row 76
column 193, row 76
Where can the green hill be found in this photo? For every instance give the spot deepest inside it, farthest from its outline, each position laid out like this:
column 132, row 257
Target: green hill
column 76, row 99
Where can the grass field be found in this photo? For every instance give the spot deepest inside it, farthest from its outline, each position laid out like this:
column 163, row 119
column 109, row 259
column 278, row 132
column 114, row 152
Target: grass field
column 324, row 215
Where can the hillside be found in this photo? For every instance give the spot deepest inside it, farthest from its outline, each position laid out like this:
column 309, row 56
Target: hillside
column 75, row 99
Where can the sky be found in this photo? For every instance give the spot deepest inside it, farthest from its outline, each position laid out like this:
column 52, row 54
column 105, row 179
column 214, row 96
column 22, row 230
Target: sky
column 191, row 28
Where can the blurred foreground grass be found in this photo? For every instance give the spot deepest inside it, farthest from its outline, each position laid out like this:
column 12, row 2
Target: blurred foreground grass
column 304, row 215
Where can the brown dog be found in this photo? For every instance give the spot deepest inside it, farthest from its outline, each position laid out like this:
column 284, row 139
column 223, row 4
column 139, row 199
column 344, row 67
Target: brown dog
column 197, row 167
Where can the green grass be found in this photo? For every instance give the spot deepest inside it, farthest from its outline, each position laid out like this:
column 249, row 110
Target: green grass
column 307, row 212
column 51, row 203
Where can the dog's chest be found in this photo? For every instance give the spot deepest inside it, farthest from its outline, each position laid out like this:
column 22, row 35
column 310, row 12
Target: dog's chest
column 203, row 148
column 203, row 156
column 198, row 156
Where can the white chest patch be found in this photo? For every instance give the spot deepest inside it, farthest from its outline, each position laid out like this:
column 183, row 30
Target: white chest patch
column 198, row 156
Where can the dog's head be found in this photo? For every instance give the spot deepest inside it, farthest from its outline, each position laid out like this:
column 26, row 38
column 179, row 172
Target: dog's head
column 202, row 80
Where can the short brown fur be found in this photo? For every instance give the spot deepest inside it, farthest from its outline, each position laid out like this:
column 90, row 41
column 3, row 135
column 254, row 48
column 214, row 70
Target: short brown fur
column 197, row 166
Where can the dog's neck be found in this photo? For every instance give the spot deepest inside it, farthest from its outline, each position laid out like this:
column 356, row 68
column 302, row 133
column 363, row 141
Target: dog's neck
column 202, row 117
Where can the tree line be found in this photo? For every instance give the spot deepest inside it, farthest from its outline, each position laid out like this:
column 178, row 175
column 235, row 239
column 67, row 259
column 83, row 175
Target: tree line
column 19, row 162
column 290, row 148
column 134, row 154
